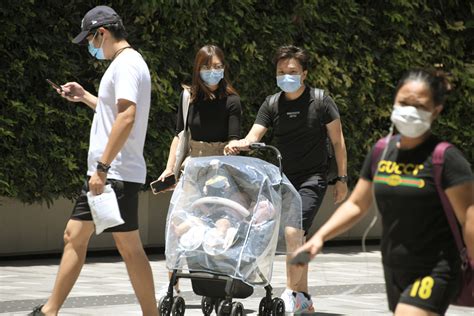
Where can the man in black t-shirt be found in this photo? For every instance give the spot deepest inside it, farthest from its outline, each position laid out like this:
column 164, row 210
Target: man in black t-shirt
column 301, row 124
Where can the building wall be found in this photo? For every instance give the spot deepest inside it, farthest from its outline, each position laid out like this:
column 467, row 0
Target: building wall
column 33, row 229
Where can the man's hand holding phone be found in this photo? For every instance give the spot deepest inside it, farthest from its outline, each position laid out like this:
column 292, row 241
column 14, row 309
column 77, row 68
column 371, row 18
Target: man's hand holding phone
column 72, row 90
column 58, row 88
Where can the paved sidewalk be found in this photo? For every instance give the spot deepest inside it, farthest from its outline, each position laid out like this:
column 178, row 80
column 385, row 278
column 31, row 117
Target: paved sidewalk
column 343, row 281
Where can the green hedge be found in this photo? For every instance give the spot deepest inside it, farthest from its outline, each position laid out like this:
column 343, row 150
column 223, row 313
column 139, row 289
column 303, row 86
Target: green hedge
column 359, row 50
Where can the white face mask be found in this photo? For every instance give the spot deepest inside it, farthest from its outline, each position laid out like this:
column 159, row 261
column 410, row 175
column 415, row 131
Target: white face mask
column 410, row 121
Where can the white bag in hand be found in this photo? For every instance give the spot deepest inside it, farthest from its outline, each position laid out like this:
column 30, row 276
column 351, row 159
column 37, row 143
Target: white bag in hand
column 105, row 210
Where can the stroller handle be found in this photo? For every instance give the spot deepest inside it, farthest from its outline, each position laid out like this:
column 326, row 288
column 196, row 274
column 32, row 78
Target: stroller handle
column 259, row 146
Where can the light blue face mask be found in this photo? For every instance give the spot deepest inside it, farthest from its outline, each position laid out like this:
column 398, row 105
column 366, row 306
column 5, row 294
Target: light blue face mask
column 289, row 83
column 96, row 52
column 212, row 77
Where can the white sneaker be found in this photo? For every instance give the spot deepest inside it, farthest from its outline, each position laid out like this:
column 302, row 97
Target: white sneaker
column 297, row 302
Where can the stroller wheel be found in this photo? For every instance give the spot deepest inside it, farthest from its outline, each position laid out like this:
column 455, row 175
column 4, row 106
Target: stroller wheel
column 278, row 307
column 178, row 307
column 265, row 307
column 164, row 307
column 207, row 305
column 217, row 302
column 224, row 308
column 237, row 309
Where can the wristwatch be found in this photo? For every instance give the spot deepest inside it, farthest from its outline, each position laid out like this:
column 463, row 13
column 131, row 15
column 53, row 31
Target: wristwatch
column 102, row 167
column 343, row 179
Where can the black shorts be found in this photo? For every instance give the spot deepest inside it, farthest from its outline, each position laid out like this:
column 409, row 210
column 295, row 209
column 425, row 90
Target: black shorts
column 312, row 191
column 430, row 289
column 127, row 197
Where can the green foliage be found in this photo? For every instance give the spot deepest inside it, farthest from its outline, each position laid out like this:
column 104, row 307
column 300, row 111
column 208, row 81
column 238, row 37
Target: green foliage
column 359, row 50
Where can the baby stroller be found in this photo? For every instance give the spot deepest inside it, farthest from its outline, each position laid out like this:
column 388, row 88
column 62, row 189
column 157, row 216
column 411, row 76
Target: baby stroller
column 223, row 229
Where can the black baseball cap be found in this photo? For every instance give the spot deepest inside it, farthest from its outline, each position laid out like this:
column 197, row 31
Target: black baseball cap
column 98, row 16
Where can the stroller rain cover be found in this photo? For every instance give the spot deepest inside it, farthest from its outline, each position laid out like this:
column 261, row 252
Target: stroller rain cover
column 229, row 216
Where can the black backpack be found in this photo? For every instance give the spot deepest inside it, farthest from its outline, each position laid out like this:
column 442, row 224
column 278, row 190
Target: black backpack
column 318, row 96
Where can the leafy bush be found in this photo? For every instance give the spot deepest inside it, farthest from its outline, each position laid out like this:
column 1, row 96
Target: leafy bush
column 359, row 50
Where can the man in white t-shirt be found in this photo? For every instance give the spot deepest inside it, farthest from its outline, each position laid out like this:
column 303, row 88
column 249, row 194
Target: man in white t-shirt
column 115, row 157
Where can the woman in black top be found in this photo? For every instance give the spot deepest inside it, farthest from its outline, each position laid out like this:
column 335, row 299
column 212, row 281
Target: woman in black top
column 214, row 113
column 420, row 259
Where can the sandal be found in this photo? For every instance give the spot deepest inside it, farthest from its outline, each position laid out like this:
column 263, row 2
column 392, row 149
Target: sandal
column 37, row 311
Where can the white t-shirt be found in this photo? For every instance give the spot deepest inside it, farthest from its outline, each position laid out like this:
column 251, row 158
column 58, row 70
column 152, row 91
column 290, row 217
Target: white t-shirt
column 127, row 77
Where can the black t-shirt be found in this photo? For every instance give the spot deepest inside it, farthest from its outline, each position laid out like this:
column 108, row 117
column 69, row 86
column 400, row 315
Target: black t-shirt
column 416, row 233
column 215, row 120
column 300, row 132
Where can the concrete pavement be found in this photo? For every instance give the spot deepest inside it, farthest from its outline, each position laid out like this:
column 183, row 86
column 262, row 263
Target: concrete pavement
column 343, row 281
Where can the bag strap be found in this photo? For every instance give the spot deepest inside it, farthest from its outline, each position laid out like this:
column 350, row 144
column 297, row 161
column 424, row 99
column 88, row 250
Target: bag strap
column 186, row 99
column 376, row 153
column 378, row 150
column 438, row 162
column 273, row 101
column 318, row 96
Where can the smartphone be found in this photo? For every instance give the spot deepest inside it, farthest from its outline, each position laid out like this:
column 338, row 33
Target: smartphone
column 302, row 257
column 158, row 186
column 57, row 87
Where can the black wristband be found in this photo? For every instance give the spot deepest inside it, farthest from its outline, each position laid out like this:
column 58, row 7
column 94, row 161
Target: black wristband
column 343, row 179
column 102, row 167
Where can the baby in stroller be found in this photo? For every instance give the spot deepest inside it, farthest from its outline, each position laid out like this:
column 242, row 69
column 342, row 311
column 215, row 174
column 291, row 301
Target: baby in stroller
column 214, row 220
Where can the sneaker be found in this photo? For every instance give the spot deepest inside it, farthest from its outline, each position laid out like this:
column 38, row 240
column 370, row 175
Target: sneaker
column 297, row 302
column 37, row 311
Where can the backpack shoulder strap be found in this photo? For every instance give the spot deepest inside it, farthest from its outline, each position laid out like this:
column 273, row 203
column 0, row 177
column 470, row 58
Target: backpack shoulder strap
column 318, row 95
column 377, row 153
column 438, row 162
column 438, row 153
column 273, row 101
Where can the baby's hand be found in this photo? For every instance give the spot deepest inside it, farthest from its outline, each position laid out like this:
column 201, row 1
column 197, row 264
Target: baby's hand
column 180, row 229
column 222, row 225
